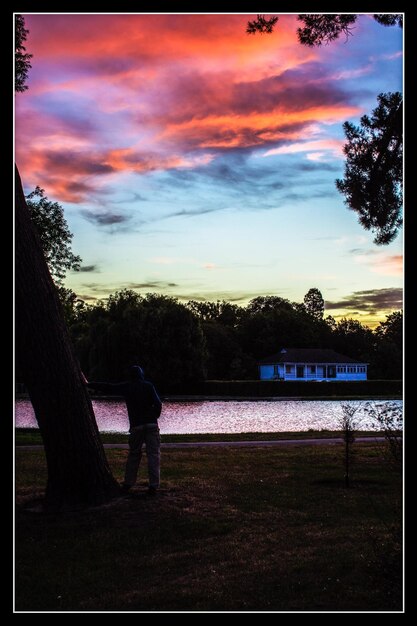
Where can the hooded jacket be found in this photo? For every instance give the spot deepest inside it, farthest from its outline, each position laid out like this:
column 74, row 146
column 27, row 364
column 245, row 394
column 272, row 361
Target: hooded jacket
column 142, row 401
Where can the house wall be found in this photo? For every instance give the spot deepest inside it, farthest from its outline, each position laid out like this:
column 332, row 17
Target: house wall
column 289, row 372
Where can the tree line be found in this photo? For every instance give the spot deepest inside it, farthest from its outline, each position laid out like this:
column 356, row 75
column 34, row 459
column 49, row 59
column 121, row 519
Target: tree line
column 179, row 343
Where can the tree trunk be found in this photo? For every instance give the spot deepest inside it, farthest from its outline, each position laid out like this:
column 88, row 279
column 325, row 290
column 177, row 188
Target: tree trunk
column 78, row 472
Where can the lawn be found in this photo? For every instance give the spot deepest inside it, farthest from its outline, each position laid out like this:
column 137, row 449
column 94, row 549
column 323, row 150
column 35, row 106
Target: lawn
column 258, row 529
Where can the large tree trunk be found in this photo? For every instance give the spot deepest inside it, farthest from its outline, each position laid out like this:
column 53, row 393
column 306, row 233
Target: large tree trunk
column 78, row 472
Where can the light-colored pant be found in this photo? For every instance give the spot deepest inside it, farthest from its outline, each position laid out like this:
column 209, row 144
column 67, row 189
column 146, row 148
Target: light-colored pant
column 147, row 434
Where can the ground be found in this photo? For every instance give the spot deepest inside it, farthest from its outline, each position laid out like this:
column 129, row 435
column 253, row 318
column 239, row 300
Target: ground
column 258, row 529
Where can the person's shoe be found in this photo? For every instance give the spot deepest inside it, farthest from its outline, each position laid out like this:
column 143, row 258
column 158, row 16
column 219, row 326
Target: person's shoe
column 152, row 491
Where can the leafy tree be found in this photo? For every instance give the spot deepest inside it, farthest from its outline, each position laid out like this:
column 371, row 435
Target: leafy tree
column 162, row 334
column 387, row 19
column 320, row 29
column 353, row 339
column 78, row 472
column 386, row 359
column 314, row 303
column 392, row 328
column 261, row 25
column 54, row 234
column 372, row 184
column 22, row 62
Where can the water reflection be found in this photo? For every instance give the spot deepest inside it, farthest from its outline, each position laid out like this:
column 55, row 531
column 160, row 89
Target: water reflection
column 224, row 416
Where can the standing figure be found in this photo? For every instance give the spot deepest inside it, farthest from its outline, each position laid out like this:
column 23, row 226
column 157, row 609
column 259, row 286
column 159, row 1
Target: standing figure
column 143, row 407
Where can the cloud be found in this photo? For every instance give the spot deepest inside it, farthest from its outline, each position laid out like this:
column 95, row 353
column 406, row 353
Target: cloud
column 333, row 146
column 370, row 301
column 205, row 89
column 105, row 218
column 379, row 262
column 89, row 268
column 107, row 289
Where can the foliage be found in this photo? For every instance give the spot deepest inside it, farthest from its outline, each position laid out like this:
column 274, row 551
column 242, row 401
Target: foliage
column 372, row 184
column 176, row 343
column 388, row 416
column 348, row 427
column 387, row 19
column 22, row 58
column 320, row 29
column 314, row 303
column 54, row 234
column 161, row 333
column 261, row 25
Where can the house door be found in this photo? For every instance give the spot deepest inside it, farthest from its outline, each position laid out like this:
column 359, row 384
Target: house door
column 300, row 371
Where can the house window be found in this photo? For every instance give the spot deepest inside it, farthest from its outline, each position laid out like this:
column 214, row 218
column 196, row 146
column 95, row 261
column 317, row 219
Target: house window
column 288, row 369
column 331, row 371
column 313, row 370
column 276, row 370
column 300, row 371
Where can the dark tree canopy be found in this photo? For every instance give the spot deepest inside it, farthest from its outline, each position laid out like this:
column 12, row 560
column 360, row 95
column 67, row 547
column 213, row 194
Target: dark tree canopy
column 319, row 29
column 372, row 185
column 392, row 328
column 314, row 303
column 22, row 63
column 54, row 234
column 261, row 25
column 389, row 19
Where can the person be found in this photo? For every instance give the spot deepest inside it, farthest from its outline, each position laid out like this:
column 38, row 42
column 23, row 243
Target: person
column 144, row 408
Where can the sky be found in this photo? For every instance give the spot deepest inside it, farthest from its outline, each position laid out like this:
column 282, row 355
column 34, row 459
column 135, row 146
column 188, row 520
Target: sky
column 197, row 161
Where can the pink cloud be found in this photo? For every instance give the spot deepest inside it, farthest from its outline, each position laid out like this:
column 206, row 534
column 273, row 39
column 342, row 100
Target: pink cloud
column 142, row 93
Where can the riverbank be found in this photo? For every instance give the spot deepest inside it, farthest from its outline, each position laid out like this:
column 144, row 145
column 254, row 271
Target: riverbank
column 231, row 530
column 187, row 398
column 251, row 390
column 32, row 436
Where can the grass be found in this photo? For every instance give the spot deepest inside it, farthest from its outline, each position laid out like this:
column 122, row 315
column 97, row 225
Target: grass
column 231, row 529
column 32, row 436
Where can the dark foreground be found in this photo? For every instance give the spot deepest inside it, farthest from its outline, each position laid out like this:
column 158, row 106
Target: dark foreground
column 255, row 529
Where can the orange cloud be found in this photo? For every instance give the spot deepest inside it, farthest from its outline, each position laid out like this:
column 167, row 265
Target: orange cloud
column 249, row 130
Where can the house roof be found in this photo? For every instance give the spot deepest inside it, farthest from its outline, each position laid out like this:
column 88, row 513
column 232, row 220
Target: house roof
column 306, row 355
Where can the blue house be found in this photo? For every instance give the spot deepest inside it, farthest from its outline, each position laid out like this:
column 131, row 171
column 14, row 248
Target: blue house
column 310, row 364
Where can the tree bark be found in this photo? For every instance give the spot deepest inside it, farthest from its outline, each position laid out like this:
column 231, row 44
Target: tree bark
column 78, row 471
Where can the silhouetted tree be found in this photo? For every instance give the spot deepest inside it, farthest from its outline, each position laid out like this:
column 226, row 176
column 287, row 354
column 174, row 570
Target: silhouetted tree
column 372, row 184
column 22, row 63
column 389, row 19
column 386, row 361
column 261, row 25
column 392, row 328
column 314, row 303
column 163, row 334
column 78, row 472
column 320, row 29
column 54, row 234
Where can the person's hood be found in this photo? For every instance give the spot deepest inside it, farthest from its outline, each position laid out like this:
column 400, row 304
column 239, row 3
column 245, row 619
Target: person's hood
column 136, row 373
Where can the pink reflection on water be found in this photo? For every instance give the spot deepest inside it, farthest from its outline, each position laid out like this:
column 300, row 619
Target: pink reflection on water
column 221, row 416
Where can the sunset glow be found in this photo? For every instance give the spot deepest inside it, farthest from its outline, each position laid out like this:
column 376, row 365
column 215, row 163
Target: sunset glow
column 197, row 161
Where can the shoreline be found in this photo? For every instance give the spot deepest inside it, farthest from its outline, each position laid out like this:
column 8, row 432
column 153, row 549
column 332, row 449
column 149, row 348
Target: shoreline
column 206, row 398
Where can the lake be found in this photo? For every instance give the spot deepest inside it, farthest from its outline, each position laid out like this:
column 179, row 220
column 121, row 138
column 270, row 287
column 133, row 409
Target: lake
column 229, row 416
